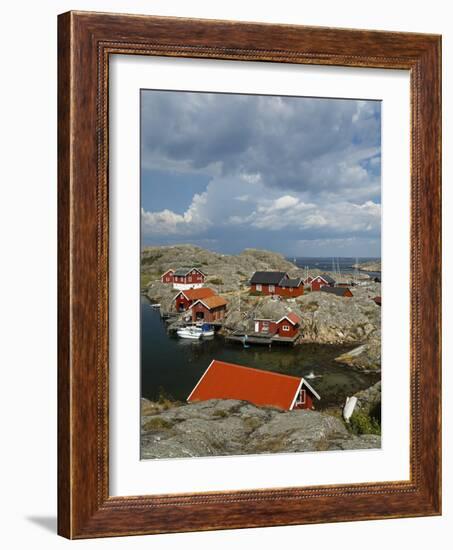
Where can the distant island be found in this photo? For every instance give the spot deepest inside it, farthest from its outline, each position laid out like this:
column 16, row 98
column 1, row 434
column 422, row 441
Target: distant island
column 375, row 265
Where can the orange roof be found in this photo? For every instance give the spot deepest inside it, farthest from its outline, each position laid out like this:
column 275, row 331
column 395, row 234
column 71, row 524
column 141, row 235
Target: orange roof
column 229, row 381
column 212, row 302
column 295, row 319
column 197, row 293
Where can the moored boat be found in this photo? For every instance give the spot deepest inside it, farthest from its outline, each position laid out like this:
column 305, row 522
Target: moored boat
column 207, row 330
column 190, row 333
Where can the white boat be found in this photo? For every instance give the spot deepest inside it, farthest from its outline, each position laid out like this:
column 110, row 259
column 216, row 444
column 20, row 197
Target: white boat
column 190, row 333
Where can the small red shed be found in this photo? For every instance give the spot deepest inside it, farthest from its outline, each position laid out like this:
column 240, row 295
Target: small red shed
column 262, row 388
column 342, row 291
column 290, row 288
column 185, row 298
column 210, row 309
column 322, row 280
column 167, row 277
column 288, row 326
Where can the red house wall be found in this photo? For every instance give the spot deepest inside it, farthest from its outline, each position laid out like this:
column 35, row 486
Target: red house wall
column 194, row 277
column 272, row 326
column 182, row 303
column 308, row 401
column 264, row 289
column 290, row 292
column 167, row 278
column 210, row 315
column 292, row 330
column 316, row 284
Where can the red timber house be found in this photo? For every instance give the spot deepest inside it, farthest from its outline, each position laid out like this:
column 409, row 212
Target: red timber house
column 185, row 298
column 184, row 278
column 341, row 291
column 209, row 310
column 262, row 388
column 276, row 283
column 322, row 280
column 286, row 327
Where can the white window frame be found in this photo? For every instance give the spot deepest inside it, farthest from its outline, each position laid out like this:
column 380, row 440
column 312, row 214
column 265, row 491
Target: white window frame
column 271, row 288
column 303, row 392
column 259, row 288
column 285, row 328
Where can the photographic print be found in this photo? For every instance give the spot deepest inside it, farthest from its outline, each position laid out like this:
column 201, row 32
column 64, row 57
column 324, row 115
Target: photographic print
column 260, row 274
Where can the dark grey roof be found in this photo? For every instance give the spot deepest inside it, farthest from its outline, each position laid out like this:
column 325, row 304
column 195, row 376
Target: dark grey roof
column 338, row 291
column 183, row 271
column 328, row 278
column 267, row 277
column 290, row 283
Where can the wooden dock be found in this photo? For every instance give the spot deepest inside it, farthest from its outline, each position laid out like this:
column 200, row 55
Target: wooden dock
column 259, row 339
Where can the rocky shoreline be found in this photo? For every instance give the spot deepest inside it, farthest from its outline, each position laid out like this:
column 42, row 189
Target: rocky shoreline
column 326, row 318
column 230, row 427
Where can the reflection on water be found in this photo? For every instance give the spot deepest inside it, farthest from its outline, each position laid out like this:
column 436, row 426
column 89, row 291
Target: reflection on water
column 174, row 366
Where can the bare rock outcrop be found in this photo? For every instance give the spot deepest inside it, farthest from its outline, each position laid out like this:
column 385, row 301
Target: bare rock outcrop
column 229, row 427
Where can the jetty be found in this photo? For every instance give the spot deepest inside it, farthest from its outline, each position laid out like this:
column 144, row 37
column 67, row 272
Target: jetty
column 259, row 338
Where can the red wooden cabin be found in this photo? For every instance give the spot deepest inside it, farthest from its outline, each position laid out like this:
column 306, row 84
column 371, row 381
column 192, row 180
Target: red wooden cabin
column 209, row 310
column 343, row 292
column 262, row 388
column 290, row 288
column 185, row 298
column 266, row 282
column 322, row 280
column 286, row 327
column 184, row 276
column 167, row 277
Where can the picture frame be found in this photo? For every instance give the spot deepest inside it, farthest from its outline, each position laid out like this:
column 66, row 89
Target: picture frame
column 86, row 41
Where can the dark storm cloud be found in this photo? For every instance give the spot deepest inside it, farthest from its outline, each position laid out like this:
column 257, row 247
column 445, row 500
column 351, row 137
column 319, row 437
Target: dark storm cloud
column 281, row 169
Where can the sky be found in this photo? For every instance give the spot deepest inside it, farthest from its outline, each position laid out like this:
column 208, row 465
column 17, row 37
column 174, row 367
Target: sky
column 300, row 176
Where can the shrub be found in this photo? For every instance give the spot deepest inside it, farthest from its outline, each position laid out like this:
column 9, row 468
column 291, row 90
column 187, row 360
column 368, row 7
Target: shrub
column 157, row 423
column 255, row 293
column 220, row 413
column 216, row 281
column 362, row 423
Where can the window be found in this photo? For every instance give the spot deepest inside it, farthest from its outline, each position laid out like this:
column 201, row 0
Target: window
column 190, row 279
column 285, row 328
column 302, row 397
column 271, row 288
column 259, row 288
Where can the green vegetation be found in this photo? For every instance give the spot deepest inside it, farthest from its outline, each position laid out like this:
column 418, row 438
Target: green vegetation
column 363, row 423
column 216, row 281
column 157, row 423
column 148, row 260
column 146, row 278
column 310, row 306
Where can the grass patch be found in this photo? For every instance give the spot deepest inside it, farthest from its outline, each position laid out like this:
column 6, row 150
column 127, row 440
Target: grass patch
column 216, row 281
column 145, row 279
column 310, row 306
column 252, row 422
column 149, row 260
column 156, row 424
column 361, row 423
column 255, row 293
